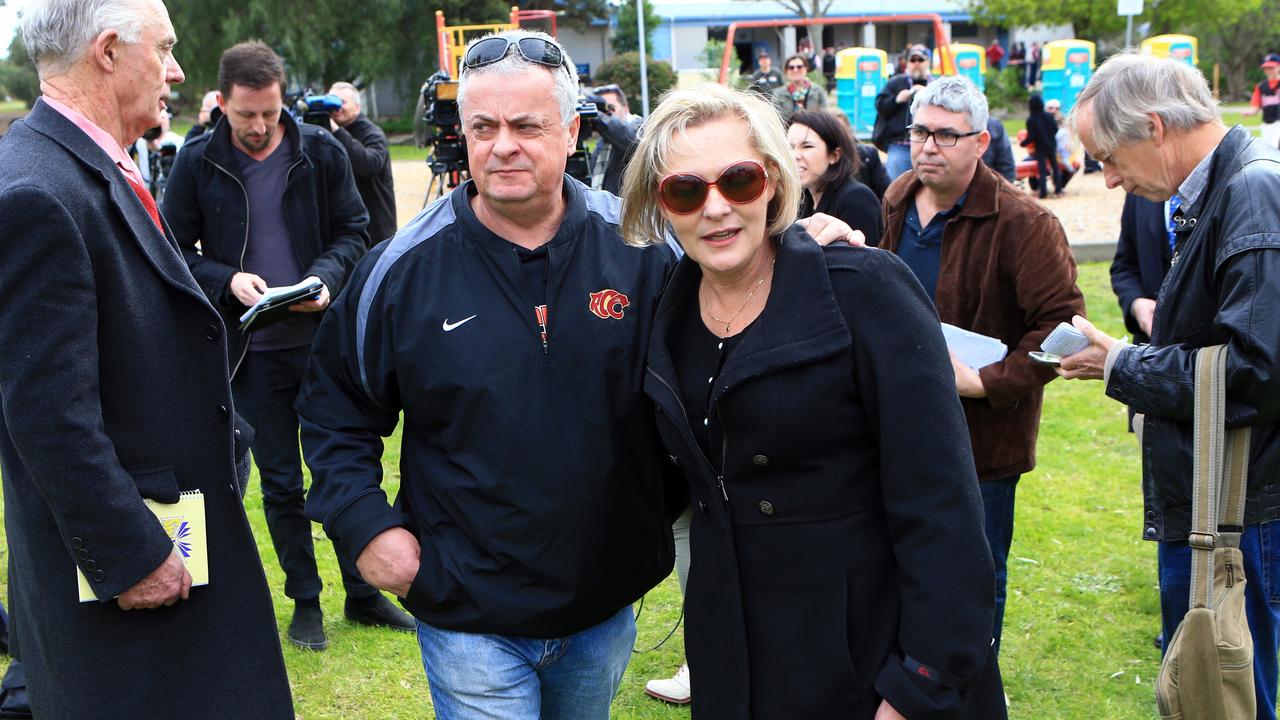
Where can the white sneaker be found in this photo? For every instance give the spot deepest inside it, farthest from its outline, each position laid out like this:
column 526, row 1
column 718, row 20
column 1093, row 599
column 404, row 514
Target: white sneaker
column 673, row 690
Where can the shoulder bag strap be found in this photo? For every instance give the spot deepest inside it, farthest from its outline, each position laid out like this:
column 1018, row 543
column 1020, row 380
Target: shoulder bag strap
column 1210, row 411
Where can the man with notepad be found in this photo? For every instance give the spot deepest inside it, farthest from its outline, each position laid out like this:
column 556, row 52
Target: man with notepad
column 996, row 264
column 272, row 203
column 116, row 406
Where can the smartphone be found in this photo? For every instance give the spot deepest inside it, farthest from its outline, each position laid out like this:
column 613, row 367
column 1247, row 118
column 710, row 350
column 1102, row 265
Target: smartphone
column 1044, row 358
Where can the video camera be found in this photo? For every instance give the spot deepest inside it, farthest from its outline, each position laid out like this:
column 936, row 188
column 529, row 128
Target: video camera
column 579, row 165
column 313, row 109
column 159, row 163
column 442, row 126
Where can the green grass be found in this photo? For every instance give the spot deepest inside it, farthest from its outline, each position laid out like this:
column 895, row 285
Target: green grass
column 1082, row 609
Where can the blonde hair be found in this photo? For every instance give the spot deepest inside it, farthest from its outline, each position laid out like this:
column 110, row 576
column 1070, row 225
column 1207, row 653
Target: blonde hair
column 642, row 220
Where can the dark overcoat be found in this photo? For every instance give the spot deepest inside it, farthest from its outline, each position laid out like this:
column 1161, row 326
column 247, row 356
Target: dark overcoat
column 839, row 556
column 114, row 388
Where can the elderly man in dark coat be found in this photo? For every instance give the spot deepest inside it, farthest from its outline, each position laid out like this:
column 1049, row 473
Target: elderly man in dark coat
column 114, row 389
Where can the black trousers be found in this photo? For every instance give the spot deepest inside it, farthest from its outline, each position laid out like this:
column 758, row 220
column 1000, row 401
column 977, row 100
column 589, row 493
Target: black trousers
column 1046, row 166
column 265, row 389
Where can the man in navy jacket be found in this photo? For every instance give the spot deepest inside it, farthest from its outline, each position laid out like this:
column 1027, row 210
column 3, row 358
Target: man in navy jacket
column 271, row 202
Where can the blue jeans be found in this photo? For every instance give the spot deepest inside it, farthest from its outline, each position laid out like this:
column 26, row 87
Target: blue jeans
column 497, row 677
column 899, row 160
column 1260, row 545
column 997, row 520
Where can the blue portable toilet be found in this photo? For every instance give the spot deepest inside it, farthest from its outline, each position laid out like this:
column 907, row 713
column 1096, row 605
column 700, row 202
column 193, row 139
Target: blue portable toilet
column 860, row 74
column 1065, row 68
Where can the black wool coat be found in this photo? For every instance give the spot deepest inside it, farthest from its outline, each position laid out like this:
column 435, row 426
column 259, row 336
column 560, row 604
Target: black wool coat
column 114, row 388
column 839, row 557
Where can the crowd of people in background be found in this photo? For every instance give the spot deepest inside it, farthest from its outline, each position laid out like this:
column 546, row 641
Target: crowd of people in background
column 568, row 360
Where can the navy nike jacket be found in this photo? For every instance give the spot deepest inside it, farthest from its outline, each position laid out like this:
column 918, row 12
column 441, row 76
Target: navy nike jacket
column 531, row 473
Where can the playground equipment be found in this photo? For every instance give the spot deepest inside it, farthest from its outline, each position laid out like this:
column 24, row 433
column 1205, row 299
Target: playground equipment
column 1181, row 47
column 452, row 39
column 1065, row 68
column 860, row 75
column 970, row 61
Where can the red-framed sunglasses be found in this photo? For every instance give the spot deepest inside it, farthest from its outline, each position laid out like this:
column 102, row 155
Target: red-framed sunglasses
column 740, row 183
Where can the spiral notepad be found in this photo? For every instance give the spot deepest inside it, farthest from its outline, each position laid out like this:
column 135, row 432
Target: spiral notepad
column 184, row 521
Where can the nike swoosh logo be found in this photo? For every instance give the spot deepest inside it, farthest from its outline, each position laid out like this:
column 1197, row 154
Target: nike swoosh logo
column 450, row 327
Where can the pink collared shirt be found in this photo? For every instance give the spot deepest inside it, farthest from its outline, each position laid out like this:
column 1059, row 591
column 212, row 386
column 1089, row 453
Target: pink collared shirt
column 101, row 138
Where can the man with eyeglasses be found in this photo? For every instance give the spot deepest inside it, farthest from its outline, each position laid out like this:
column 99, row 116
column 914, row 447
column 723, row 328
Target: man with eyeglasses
column 893, row 110
column 618, row 130
column 996, row 263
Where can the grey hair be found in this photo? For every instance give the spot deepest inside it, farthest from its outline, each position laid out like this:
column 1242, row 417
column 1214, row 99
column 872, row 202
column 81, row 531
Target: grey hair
column 1130, row 87
column 57, row 33
column 566, row 90
column 955, row 93
column 348, row 88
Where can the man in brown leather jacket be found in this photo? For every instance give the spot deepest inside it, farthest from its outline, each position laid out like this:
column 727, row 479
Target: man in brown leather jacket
column 995, row 262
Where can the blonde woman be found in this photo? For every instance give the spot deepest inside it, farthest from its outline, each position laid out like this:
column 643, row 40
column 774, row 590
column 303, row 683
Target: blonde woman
column 839, row 567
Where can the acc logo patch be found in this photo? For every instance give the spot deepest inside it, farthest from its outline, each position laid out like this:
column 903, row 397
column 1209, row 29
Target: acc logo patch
column 608, row 304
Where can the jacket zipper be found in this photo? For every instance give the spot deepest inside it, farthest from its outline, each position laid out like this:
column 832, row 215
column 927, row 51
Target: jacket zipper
column 244, row 246
column 724, row 455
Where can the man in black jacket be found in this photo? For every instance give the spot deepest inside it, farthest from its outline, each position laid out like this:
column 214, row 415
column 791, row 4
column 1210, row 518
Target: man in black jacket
column 1154, row 125
column 366, row 145
column 508, row 324
column 893, row 110
column 272, row 202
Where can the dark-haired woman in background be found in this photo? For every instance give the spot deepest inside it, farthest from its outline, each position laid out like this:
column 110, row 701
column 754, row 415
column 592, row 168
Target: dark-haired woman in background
column 828, row 165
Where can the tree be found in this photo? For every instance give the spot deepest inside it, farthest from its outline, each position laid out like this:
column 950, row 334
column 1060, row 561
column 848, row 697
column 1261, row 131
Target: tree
column 577, row 14
column 624, row 70
column 18, row 74
column 1232, row 32
column 624, row 35
column 807, row 8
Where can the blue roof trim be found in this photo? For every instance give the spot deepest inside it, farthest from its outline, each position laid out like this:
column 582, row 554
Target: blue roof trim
column 437, row 216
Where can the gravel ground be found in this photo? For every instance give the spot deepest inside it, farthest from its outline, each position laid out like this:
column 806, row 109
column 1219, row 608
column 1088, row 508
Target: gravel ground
column 1090, row 212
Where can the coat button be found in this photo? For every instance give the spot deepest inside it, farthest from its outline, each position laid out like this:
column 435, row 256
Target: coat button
column 90, row 564
column 211, row 332
column 1151, row 514
column 1149, row 533
column 224, row 412
column 760, row 460
column 82, row 554
column 77, row 543
column 702, row 507
column 99, row 576
column 766, row 507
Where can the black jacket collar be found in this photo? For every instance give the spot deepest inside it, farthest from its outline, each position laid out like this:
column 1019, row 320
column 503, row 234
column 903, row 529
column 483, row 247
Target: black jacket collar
column 222, row 152
column 571, row 225
column 801, row 322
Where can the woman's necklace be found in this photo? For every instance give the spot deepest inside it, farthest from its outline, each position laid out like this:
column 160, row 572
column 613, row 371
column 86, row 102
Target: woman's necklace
column 707, row 306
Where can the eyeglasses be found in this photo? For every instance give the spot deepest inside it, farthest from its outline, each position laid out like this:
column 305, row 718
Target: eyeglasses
column 740, row 183
column 796, row 67
column 916, row 59
column 942, row 138
column 534, row 49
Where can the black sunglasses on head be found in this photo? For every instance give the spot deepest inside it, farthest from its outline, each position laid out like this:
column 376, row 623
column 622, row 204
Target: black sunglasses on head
column 534, row 49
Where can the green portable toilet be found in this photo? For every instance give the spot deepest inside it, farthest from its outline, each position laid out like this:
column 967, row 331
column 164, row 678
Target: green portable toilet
column 860, row 73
